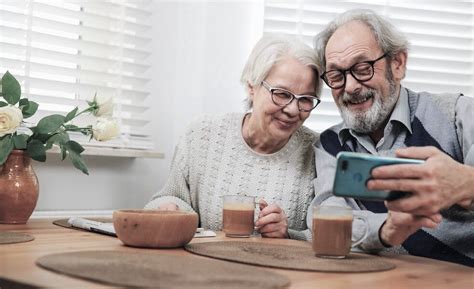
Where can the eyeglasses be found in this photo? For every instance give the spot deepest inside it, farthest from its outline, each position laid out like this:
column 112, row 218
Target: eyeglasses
column 283, row 97
column 361, row 71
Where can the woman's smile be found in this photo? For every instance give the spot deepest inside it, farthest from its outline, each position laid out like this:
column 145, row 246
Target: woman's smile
column 285, row 124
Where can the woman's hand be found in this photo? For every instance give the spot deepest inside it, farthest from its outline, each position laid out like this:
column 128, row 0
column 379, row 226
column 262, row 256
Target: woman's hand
column 272, row 221
column 168, row 206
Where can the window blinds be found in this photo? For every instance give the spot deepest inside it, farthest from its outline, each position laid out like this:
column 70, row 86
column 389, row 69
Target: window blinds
column 63, row 52
column 441, row 34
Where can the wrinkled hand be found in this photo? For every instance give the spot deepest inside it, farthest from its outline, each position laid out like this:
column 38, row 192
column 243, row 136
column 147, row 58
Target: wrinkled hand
column 437, row 184
column 272, row 221
column 169, row 206
column 399, row 226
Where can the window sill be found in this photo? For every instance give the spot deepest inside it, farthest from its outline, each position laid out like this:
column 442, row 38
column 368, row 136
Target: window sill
column 114, row 152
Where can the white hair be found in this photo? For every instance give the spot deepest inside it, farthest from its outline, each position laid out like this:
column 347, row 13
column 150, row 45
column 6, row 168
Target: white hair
column 390, row 39
column 269, row 50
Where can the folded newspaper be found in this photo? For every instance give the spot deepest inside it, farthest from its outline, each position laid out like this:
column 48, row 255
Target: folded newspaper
column 108, row 228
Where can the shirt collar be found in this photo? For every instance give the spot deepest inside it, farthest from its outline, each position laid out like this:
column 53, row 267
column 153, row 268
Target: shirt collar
column 400, row 114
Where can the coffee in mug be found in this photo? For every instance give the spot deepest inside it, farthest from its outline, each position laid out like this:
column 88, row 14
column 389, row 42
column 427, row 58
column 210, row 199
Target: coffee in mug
column 238, row 215
column 332, row 231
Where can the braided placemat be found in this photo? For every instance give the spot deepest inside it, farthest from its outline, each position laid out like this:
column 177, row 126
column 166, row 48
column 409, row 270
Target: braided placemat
column 11, row 284
column 14, row 237
column 287, row 257
column 150, row 269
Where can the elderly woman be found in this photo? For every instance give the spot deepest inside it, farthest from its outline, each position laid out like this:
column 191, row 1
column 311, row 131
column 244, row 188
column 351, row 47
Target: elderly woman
column 265, row 152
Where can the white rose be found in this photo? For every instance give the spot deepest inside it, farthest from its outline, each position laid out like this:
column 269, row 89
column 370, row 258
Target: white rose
column 10, row 119
column 105, row 129
column 105, row 105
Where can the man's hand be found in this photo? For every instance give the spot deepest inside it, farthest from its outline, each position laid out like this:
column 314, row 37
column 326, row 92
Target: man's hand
column 169, row 206
column 272, row 221
column 399, row 226
column 437, row 184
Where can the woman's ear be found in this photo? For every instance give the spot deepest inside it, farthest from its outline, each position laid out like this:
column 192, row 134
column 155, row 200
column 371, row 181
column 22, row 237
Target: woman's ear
column 399, row 65
column 251, row 90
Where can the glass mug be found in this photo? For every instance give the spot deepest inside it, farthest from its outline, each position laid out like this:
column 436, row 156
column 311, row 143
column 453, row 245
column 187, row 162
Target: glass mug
column 238, row 216
column 332, row 231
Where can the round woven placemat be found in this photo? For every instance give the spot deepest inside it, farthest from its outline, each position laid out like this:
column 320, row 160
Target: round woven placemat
column 287, row 257
column 153, row 270
column 11, row 284
column 14, row 237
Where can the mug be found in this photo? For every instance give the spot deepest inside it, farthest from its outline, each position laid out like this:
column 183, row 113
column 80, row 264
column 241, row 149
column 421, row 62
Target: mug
column 332, row 231
column 238, row 215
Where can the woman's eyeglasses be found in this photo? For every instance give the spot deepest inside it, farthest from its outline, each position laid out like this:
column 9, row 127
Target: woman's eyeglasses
column 283, row 97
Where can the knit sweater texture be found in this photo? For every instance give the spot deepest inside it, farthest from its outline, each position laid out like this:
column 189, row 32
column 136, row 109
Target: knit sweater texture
column 212, row 160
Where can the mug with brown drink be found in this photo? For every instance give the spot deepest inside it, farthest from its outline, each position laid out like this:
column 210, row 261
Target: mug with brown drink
column 238, row 215
column 332, row 231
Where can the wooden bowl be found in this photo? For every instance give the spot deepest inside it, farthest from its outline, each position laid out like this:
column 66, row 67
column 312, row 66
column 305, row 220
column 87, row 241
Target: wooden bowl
column 155, row 229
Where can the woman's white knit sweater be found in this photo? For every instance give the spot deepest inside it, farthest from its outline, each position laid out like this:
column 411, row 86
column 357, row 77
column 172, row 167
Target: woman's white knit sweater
column 213, row 160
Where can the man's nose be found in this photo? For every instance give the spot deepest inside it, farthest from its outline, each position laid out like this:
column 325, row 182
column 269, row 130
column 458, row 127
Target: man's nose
column 352, row 85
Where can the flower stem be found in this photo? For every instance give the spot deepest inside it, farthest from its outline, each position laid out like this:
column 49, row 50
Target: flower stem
column 89, row 109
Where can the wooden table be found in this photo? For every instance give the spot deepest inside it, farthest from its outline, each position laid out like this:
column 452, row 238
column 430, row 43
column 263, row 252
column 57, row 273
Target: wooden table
column 17, row 262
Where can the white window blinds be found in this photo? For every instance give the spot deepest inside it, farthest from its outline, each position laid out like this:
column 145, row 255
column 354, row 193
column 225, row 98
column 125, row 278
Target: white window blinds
column 441, row 33
column 63, row 52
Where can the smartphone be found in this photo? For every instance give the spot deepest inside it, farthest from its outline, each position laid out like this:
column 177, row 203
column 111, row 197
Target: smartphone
column 353, row 170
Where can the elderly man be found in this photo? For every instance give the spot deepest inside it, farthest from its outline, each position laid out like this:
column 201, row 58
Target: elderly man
column 365, row 58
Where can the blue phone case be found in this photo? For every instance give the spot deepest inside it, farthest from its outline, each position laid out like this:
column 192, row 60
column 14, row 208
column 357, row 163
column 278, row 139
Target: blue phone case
column 354, row 170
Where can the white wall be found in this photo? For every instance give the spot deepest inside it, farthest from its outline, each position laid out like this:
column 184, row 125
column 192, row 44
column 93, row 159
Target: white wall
column 199, row 49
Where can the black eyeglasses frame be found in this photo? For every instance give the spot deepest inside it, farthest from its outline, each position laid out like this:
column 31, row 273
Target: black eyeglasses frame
column 350, row 70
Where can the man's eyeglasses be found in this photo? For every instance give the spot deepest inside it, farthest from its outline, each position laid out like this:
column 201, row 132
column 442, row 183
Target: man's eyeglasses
column 361, row 71
column 283, row 97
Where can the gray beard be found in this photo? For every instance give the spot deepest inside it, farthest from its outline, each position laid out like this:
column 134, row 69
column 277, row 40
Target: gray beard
column 373, row 119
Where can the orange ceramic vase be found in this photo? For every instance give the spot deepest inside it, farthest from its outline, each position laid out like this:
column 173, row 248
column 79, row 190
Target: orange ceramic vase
column 18, row 189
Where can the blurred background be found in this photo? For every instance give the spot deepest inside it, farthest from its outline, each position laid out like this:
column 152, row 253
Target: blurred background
column 166, row 62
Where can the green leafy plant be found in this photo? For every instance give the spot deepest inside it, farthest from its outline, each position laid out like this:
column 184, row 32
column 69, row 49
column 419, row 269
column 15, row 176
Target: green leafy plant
column 50, row 130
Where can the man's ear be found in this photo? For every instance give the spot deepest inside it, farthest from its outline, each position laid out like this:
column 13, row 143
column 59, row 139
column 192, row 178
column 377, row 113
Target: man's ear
column 399, row 65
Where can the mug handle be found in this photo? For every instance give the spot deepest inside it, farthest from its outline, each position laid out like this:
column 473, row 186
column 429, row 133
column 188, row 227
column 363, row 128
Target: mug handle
column 366, row 233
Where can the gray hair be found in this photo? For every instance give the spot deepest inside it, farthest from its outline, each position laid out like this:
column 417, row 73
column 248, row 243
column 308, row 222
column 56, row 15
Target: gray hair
column 390, row 39
column 269, row 50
